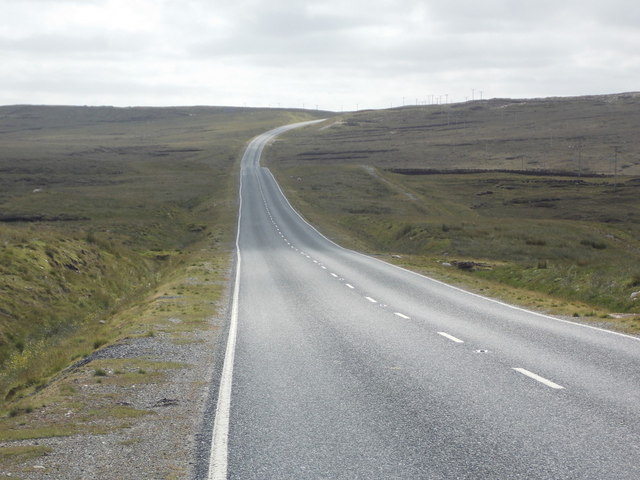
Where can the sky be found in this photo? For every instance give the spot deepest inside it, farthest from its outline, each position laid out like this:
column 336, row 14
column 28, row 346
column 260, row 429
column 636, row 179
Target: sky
column 339, row 55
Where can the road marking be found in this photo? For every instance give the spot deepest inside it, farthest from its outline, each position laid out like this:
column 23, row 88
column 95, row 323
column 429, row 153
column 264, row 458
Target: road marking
column 451, row 337
column 334, row 275
column 538, row 378
column 218, row 459
column 402, row 315
column 315, row 261
column 372, row 300
column 323, row 267
column 350, row 286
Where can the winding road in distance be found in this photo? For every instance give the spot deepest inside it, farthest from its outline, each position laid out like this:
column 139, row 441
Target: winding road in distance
column 341, row 366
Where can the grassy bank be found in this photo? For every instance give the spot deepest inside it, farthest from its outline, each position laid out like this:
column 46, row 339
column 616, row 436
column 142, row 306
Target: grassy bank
column 99, row 206
column 441, row 198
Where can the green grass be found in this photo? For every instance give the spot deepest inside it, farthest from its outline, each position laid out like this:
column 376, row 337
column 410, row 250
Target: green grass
column 579, row 134
column 391, row 183
column 10, row 456
column 45, row 431
column 99, row 206
column 114, row 224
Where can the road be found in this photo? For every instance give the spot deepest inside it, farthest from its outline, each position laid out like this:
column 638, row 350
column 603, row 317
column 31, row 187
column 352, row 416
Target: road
column 341, row 366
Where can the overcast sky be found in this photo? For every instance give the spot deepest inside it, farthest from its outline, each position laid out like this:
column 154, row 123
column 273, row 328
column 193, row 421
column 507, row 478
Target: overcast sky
column 333, row 54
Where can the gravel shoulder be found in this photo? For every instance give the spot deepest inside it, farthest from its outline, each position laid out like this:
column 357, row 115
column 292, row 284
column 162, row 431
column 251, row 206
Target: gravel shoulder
column 140, row 408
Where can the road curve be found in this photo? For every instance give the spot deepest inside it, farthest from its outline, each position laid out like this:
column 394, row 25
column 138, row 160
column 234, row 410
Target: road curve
column 341, row 366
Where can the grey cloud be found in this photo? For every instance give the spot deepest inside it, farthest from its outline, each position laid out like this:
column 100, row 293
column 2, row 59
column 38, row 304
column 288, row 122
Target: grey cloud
column 64, row 45
column 370, row 46
column 463, row 16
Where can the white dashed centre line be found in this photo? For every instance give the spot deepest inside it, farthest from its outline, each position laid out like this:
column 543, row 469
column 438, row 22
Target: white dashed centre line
column 538, row 378
column 350, row 286
column 402, row 315
column 334, row 275
column 450, row 337
column 372, row 300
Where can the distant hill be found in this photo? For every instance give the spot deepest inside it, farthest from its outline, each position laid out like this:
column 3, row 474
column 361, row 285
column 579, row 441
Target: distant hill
column 592, row 134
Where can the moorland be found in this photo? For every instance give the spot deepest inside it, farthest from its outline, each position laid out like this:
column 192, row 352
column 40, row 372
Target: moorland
column 532, row 201
column 101, row 206
column 116, row 228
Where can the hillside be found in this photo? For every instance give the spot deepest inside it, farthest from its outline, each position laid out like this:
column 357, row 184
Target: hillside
column 535, row 201
column 97, row 206
column 578, row 134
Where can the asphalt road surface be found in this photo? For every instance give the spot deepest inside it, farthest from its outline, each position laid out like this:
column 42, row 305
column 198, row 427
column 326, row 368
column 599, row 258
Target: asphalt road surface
column 341, row 366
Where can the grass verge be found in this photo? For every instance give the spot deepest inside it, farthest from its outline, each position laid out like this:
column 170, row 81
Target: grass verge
column 115, row 225
column 560, row 241
column 97, row 207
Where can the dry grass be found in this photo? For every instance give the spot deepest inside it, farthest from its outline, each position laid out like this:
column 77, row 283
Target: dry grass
column 571, row 134
column 98, row 206
column 439, row 186
column 114, row 224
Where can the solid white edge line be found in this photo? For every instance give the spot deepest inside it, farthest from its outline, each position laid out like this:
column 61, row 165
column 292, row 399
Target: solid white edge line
column 538, row 378
column 220, row 435
column 219, row 442
column 514, row 307
column 451, row 337
column 402, row 315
